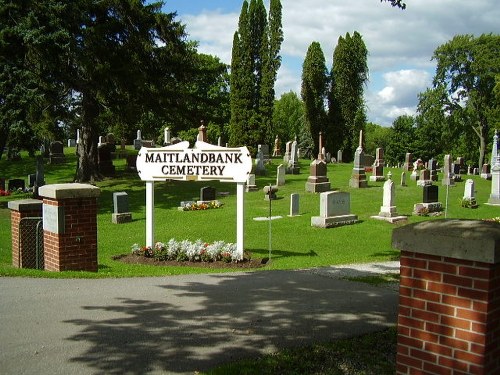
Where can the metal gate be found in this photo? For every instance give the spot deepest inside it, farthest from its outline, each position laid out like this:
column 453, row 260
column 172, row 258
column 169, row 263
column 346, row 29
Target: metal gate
column 31, row 243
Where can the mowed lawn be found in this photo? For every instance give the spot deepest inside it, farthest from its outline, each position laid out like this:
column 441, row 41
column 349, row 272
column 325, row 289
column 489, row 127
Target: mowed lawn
column 294, row 243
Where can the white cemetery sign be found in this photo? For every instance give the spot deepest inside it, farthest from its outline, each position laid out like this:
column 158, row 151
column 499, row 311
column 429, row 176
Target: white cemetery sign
column 204, row 162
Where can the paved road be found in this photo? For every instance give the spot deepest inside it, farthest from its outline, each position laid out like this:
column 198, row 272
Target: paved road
column 177, row 324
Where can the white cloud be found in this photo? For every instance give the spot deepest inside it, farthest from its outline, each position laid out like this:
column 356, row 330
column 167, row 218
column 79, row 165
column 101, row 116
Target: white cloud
column 400, row 43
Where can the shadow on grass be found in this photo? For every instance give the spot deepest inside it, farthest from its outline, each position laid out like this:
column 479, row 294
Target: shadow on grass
column 196, row 323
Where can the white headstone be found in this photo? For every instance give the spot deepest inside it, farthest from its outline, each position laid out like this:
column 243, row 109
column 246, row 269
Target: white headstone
column 469, row 191
column 167, row 136
column 77, row 136
column 339, row 156
column 219, row 141
column 139, row 134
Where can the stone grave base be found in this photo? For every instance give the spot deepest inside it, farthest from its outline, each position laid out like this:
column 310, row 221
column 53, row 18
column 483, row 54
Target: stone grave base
column 251, row 188
column 390, row 219
column 333, row 221
column 266, row 218
column 318, row 187
column 486, row 176
column 292, row 170
column 57, row 159
column 358, row 181
column 494, row 201
column 424, row 182
column 125, row 217
column 377, row 178
column 431, row 207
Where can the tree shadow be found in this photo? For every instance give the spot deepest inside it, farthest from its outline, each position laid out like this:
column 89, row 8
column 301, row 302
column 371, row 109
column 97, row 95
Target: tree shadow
column 195, row 323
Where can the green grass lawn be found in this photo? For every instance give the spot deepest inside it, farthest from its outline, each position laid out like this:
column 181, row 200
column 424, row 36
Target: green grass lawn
column 295, row 244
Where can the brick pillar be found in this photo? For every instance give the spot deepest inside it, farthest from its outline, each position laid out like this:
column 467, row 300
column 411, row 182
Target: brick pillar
column 18, row 210
column 449, row 299
column 70, row 227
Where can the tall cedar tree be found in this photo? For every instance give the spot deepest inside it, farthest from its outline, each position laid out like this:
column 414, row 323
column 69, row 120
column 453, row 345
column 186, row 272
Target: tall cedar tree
column 314, row 91
column 346, row 108
column 254, row 66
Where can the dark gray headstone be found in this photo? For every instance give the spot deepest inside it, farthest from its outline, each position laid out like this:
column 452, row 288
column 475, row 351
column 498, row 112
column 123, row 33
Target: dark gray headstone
column 207, row 193
column 56, row 148
column 105, row 164
column 430, row 194
column 31, row 180
column 16, row 183
column 120, row 202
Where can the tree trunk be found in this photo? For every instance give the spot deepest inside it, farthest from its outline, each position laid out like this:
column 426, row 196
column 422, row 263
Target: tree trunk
column 4, row 133
column 87, row 168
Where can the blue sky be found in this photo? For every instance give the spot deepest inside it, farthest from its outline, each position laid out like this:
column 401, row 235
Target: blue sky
column 400, row 43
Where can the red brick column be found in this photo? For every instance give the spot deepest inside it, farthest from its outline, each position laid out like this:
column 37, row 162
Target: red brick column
column 449, row 304
column 70, row 227
column 18, row 210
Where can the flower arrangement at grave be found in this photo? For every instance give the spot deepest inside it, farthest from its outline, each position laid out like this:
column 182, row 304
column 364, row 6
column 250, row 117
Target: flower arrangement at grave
column 493, row 219
column 4, row 193
column 468, row 202
column 193, row 206
column 185, row 250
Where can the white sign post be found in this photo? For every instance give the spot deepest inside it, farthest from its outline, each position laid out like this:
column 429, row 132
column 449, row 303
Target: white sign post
column 204, row 162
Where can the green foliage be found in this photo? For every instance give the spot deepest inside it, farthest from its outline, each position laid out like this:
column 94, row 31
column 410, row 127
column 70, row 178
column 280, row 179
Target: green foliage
column 376, row 136
column 288, row 117
column 254, row 66
column 346, row 107
column 401, row 139
column 313, row 91
column 467, row 70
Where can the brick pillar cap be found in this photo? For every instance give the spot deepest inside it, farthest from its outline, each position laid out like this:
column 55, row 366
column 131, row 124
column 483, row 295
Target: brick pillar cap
column 65, row 191
column 23, row 205
column 473, row 240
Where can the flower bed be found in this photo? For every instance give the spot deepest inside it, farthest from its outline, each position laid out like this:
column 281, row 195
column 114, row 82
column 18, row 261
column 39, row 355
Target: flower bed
column 186, row 250
column 193, row 206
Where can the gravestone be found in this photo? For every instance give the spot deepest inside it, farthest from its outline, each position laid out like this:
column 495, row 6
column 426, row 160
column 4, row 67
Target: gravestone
column 56, row 153
column 334, row 210
column 403, row 179
column 132, row 162
column 121, row 212
column 430, row 201
column 328, row 157
column 294, row 204
column 293, row 164
column 71, row 143
column 265, row 153
column 202, row 132
column 277, row 147
column 317, row 182
column 470, row 193
column 424, row 178
column 339, row 156
column 251, row 183
column 77, row 136
column 16, row 184
column 430, row 194
column 432, row 166
column 167, row 136
column 102, row 140
column 280, row 175
column 219, row 141
column 378, row 166
column 270, row 192
column 388, row 211
column 138, row 141
column 447, row 172
column 104, row 162
column 207, row 194
column 358, row 177
column 495, row 173
column 408, row 165
column 31, row 180
column 486, row 172
column 260, row 168
column 288, row 152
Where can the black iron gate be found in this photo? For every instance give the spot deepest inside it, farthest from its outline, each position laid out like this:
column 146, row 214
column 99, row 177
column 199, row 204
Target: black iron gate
column 31, row 243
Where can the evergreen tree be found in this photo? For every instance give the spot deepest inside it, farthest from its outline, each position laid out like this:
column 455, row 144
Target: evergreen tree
column 254, row 66
column 348, row 77
column 314, row 91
